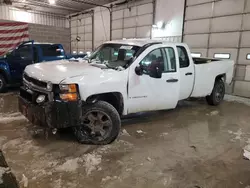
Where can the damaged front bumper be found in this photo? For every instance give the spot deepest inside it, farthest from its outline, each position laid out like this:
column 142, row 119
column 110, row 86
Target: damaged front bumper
column 51, row 113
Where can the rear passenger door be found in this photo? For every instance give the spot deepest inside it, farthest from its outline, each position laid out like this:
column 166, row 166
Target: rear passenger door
column 186, row 73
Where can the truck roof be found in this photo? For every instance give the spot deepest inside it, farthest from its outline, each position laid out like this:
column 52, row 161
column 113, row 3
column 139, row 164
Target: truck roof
column 140, row 42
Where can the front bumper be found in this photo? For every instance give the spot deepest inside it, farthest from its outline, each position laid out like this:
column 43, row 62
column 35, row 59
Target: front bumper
column 49, row 114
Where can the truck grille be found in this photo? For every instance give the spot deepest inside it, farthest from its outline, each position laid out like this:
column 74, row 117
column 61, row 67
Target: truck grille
column 35, row 81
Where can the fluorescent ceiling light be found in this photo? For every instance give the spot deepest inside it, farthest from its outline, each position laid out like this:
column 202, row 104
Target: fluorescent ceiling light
column 52, row 2
column 248, row 56
column 196, row 54
column 222, row 56
column 159, row 24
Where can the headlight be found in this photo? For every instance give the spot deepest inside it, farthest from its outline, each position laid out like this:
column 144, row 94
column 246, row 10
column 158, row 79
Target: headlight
column 71, row 88
column 68, row 92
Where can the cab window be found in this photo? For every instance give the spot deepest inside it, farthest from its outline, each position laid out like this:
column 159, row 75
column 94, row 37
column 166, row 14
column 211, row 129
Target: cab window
column 164, row 58
column 24, row 52
column 183, row 57
column 154, row 58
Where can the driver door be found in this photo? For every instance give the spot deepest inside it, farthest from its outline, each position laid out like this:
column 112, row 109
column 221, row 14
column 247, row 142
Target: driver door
column 146, row 93
column 18, row 60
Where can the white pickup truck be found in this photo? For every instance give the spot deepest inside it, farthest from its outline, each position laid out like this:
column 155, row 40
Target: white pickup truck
column 119, row 78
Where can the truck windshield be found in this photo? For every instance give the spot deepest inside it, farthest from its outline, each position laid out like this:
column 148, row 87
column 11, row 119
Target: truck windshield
column 114, row 55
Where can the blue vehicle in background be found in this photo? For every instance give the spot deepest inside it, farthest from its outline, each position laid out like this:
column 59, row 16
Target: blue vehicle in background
column 14, row 62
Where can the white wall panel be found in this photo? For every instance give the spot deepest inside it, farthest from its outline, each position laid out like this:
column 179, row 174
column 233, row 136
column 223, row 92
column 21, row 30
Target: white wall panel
column 145, row 9
column 171, row 12
column 196, row 41
column 247, row 8
column 129, row 33
column 243, row 56
column 246, row 23
column 240, row 72
column 133, row 20
column 227, row 40
column 130, row 12
column 228, row 7
column 143, row 32
column 129, row 22
column 202, row 51
column 199, row 11
column 227, row 23
column 245, row 41
column 197, row 26
column 146, row 19
column 81, row 26
column 242, row 88
column 117, row 24
column 117, row 34
column 232, row 52
column 88, row 37
column 195, row 2
column 247, row 76
column 117, row 15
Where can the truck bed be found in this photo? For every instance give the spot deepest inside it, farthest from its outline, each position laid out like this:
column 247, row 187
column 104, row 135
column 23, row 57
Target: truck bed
column 206, row 71
column 199, row 60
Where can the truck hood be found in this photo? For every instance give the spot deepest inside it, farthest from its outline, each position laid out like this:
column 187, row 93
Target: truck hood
column 57, row 71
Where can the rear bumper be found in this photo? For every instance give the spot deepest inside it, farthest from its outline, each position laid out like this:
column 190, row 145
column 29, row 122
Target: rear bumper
column 54, row 114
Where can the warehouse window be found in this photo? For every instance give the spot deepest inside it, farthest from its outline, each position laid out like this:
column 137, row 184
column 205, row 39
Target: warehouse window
column 196, row 54
column 183, row 57
column 248, row 56
column 222, row 55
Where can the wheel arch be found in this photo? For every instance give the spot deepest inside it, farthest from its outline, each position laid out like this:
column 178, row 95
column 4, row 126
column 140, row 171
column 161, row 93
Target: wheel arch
column 4, row 74
column 221, row 76
column 113, row 98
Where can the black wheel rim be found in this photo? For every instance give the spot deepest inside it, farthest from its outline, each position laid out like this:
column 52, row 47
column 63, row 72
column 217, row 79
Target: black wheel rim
column 98, row 125
column 219, row 93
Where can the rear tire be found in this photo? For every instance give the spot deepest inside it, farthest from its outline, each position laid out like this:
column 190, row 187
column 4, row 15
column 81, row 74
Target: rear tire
column 2, row 84
column 101, row 124
column 217, row 94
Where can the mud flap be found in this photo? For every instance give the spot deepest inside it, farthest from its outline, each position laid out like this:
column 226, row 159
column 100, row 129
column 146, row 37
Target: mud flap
column 7, row 179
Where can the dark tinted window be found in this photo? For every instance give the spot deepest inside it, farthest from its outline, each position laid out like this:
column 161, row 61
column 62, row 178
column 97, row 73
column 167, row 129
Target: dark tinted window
column 51, row 50
column 24, row 52
column 153, row 59
column 183, row 57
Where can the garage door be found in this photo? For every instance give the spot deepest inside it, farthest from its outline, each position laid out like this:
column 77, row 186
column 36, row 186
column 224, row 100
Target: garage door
column 133, row 20
column 220, row 29
column 81, row 33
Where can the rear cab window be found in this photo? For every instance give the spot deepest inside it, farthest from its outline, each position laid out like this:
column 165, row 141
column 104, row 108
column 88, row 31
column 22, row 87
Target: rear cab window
column 183, row 57
column 54, row 50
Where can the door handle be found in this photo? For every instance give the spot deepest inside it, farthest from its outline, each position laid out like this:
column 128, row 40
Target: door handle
column 189, row 73
column 172, row 80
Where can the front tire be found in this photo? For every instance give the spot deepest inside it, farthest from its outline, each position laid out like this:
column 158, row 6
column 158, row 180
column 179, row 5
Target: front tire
column 2, row 84
column 101, row 124
column 217, row 94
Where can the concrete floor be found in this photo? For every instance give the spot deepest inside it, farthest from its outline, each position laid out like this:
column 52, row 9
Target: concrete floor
column 195, row 145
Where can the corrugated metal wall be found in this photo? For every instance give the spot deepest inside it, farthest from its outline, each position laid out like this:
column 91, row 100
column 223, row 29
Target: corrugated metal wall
column 82, row 33
column 133, row 20
column 10, row 13
column 221, row 29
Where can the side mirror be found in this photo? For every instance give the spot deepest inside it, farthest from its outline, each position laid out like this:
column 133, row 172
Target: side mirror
column 138, row 70
column 156, row 71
